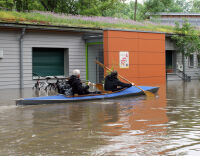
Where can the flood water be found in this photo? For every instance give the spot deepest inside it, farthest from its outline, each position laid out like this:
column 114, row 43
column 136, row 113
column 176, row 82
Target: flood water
column 168, row 124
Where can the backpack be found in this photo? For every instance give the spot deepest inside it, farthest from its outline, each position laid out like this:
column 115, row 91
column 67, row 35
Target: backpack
column 68, row 92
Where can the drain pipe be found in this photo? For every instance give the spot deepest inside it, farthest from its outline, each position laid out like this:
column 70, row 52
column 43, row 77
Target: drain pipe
column 21, row 53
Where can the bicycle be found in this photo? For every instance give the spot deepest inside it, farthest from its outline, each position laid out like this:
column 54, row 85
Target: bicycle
column 40, row 84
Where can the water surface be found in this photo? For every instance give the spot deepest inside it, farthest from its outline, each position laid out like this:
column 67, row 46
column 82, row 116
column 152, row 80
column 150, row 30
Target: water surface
column 168, row 124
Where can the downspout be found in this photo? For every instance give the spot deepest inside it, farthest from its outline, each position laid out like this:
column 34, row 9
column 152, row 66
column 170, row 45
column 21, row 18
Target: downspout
column 86, row 59
column 183, row 62
column 21, row 53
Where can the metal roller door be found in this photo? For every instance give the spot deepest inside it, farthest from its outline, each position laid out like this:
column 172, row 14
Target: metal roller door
column 48, row 61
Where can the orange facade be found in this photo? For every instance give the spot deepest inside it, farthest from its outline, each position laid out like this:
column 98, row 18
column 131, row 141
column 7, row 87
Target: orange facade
column 146, row 55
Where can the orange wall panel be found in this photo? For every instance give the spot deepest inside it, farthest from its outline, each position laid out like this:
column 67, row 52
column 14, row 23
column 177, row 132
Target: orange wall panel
column 151, row 58
column 121, row 34
column 146, row 70
column 151, row 45
column 151, row 36
column 113, row 57
column 152, row 81
column 123, row 44
column 146, row 55
column 132, row 71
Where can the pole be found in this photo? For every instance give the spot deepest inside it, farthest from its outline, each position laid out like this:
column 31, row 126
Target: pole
column 21, row 70
column 135, row 10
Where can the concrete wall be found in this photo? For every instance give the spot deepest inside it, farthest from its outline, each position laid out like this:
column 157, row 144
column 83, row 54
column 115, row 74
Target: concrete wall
column 193, row 72
column 146, row 55
column 9, row 64
column 169, row 45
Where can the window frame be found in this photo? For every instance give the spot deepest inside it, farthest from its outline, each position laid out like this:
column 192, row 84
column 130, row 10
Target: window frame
column 189, row 61
column 65, row 63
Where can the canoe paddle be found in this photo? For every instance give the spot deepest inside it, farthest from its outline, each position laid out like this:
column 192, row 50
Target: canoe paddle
column 147, row 93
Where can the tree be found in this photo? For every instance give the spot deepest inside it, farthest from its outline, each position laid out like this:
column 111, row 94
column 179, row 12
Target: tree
column 195, row 6
column 135, row 10
column 6, row 4
column 96, row 7
column 67, row 6
column 184, row 5
column 155, row 6
column 49, row 5
column 126, row 11
column 186, row 40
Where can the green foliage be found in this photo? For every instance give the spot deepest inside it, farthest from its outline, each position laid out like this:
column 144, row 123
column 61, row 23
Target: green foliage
column 186, row 39
column 183, row 5
column 157, row 6
column 74, row 7
column 7, row 4
column 111, row 8
column 196, row 6
column 154, row 6
column 97, row 7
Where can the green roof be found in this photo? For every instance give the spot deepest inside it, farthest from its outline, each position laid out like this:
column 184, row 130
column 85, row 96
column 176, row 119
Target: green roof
column 52, row 19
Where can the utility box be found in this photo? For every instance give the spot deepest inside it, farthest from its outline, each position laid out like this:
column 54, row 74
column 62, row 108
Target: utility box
column 1, row 53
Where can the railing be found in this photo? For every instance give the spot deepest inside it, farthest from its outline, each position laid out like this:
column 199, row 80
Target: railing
column 179, row 73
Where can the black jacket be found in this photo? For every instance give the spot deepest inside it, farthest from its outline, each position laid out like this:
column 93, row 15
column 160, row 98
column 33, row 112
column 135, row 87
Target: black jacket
column 77, row 87
column 113, row 84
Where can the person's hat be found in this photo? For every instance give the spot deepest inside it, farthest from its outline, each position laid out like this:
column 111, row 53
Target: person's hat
column 76, row 72
column 114, row 73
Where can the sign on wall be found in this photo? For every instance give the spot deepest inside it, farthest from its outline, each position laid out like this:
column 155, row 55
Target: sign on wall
column 124, row 59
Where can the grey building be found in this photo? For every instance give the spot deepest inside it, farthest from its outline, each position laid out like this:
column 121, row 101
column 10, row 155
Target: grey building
column 174, row 61
column 171, row 18
column 27, row 51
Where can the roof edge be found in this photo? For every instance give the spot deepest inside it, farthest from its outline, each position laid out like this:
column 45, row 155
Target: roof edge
column 130, row 30
column 51, row 27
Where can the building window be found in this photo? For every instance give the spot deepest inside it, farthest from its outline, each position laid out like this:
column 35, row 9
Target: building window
column 198, row 60
column 48, row 61
column 191, row 60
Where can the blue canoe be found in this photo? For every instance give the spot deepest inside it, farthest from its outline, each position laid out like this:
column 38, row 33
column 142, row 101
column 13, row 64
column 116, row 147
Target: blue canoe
column 133, row 91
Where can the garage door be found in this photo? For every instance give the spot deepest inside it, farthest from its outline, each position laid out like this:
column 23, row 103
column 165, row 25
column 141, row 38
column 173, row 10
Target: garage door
column 48, row 61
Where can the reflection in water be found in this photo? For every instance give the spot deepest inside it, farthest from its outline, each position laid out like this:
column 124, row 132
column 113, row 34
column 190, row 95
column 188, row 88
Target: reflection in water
column 140, row 128
column 165, row 125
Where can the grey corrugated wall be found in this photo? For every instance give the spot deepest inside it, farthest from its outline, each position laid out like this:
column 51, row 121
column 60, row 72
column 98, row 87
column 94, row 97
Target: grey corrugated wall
column 9, row 42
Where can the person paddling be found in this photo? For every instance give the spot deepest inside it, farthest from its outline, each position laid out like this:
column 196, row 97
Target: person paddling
column 75, row 83
column 112, row 83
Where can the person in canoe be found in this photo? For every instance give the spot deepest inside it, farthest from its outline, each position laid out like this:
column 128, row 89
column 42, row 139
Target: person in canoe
column 112, row 83
column 76, row 84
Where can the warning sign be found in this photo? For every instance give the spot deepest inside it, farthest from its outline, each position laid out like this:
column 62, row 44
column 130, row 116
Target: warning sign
column 124, row 59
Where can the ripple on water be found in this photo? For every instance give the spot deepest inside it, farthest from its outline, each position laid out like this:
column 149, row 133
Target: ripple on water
column 7, row 108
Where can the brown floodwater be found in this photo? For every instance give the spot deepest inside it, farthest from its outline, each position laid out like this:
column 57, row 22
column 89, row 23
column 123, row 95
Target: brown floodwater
column 167, row 124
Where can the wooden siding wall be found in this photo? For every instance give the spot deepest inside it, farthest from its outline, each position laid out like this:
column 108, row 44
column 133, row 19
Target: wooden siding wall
column 146, row 55
column 9, row 65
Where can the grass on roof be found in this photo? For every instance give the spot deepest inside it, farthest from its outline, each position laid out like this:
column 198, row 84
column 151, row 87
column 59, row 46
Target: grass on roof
column 65, row 20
